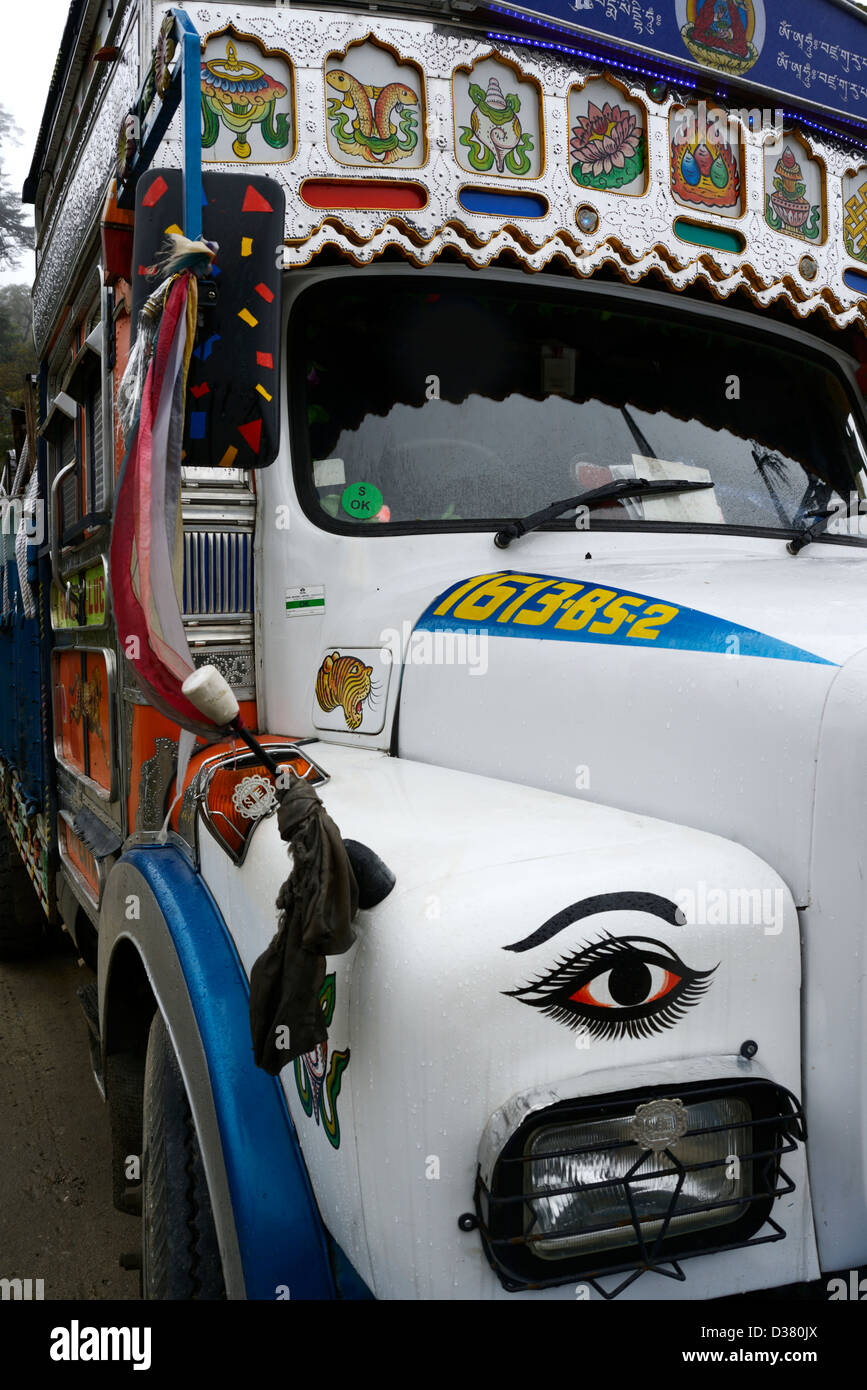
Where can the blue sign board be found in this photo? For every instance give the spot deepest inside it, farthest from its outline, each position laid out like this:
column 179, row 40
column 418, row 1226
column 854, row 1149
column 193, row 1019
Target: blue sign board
column 811, row 52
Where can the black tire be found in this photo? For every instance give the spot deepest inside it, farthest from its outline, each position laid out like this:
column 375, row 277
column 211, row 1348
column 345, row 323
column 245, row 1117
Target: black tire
column 23, row 924
column 180, row 1254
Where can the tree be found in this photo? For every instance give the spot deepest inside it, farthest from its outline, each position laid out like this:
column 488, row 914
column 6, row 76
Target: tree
column 16, row 235
column 17, row 356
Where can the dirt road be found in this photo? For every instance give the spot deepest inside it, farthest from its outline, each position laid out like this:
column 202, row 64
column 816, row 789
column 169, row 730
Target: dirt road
column 57, row 1222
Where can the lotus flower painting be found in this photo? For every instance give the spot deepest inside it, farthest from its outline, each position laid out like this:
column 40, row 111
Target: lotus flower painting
column 608, row 145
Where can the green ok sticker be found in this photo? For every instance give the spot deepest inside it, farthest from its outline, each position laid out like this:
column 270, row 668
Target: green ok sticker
column 361, row 500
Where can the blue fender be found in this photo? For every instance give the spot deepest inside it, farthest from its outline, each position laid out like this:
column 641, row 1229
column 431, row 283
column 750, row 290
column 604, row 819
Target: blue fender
column 280, row 1234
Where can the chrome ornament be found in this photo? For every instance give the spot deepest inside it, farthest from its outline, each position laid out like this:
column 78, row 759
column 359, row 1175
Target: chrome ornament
column 587, row 218
column 659, row 1124
column 254, row 797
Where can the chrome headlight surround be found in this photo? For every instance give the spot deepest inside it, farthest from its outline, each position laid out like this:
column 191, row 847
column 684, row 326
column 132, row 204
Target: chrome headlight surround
column 530, row 1247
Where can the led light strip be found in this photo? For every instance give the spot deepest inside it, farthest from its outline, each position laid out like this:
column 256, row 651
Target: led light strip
column 676, row 75
column 593, row 57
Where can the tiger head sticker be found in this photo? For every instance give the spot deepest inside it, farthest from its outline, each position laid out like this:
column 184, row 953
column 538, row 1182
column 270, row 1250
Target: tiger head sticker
column 344, row 682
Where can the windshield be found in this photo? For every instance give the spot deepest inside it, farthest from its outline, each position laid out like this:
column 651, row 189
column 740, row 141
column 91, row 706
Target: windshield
column 437, row 402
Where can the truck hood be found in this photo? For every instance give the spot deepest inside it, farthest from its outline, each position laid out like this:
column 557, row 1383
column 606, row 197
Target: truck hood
column 689, row 688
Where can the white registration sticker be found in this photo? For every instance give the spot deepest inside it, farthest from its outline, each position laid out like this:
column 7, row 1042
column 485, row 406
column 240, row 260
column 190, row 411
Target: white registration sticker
column 308, row 598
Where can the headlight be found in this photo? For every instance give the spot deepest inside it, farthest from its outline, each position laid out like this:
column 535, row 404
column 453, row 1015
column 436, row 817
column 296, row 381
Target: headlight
column 635, row 1181
column 584, row 1168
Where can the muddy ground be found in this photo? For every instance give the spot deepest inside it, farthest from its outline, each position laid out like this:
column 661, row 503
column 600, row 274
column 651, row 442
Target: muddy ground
column 57, row 1222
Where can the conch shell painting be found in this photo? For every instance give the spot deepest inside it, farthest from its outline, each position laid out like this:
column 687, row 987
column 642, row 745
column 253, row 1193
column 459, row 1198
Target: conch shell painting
column 494, row 139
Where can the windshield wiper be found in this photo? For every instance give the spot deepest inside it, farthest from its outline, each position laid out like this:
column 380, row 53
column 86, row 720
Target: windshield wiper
column 811, row 533
column 622, row 487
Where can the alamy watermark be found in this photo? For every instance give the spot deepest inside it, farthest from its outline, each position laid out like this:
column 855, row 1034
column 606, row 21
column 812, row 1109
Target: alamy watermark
column 18, row 517
column 847, row 518
column 421, row 648
column 700, row 124
column 711, row 906
column 22, row 1290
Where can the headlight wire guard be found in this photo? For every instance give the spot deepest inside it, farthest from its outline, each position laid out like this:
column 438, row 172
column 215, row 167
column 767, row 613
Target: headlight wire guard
column 512, row 1214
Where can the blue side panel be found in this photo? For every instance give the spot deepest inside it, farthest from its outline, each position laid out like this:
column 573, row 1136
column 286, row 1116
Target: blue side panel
column 21, row 689
column 280, row 1234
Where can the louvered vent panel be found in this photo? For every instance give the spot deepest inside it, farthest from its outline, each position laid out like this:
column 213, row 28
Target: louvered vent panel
column 98, row 475
column 218, row 573
column 70, row 485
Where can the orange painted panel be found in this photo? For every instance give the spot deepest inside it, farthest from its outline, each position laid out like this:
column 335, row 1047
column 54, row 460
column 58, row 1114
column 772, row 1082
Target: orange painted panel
column 96, row 700
column 147, row 726
column 81, row 858
column 68, row 708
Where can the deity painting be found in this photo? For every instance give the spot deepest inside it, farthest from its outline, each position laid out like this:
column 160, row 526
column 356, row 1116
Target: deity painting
column 723, row 34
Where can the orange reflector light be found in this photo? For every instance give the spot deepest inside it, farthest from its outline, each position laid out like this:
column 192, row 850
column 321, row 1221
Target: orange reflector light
column 236, row 792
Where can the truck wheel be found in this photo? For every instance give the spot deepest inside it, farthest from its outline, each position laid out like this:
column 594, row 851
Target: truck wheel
column 23, row 924
column 180, row 1254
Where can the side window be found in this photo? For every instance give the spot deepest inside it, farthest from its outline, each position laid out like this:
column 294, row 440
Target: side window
column 84, row 491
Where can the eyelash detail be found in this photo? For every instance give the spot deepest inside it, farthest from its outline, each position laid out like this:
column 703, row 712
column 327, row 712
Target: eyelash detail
column 648, row 990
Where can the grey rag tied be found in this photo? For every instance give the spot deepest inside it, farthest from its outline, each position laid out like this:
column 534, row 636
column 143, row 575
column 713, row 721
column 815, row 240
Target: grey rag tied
column 317, row 904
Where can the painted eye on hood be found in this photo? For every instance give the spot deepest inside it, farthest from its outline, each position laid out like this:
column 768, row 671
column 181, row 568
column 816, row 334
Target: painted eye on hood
column 630, row 986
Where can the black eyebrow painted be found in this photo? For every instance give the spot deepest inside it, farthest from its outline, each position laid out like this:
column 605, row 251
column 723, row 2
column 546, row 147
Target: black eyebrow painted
column 603, row 902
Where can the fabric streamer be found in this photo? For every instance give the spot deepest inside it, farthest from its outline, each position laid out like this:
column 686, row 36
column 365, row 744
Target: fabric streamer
column 147, row 533
column 317, row 904
column 23, row 538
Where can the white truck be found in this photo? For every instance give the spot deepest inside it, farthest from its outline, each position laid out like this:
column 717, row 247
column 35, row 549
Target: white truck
column 524, row 457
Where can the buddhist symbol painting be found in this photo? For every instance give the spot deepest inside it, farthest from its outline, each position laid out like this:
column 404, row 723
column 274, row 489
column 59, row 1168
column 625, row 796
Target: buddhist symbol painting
column 319, row 1077
column 723, row 34
column 705, row 161
column 498, row 121
column 855, row 215
column 374, row 108
column 246, row 102
column 608, row 139
column 793, row 190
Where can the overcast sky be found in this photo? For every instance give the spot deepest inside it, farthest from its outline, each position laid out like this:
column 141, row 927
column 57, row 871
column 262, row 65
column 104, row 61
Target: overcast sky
column 32, row 31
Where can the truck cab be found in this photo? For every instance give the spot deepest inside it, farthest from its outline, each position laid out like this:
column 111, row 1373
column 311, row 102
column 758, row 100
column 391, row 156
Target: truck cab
column 520, row 506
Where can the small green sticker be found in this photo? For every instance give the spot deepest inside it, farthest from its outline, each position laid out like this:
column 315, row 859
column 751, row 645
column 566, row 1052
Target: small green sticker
column 361, row 500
